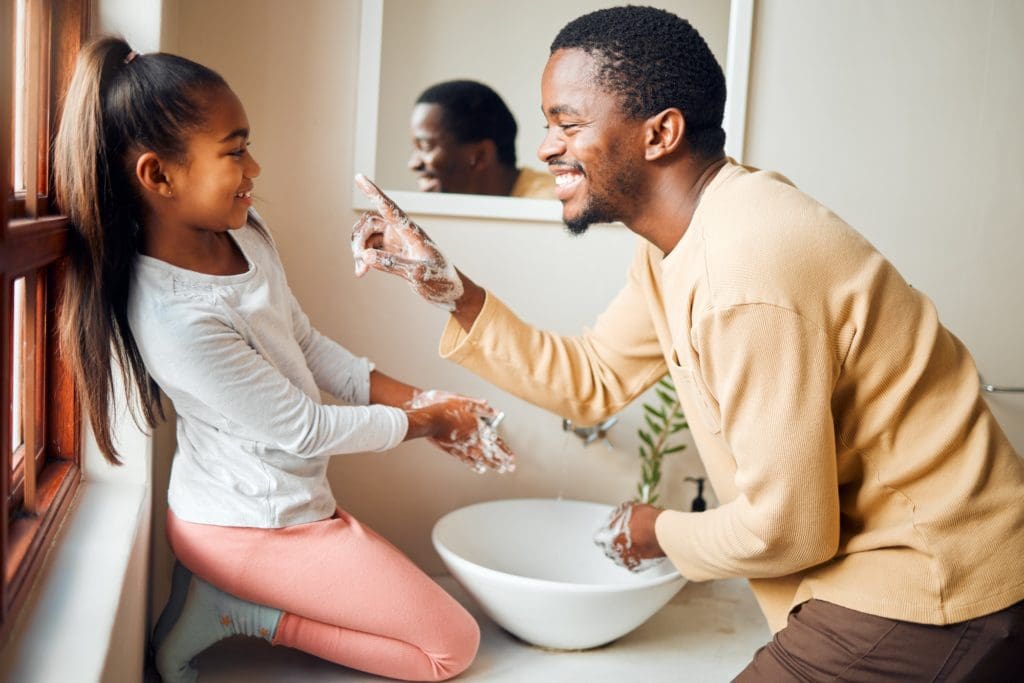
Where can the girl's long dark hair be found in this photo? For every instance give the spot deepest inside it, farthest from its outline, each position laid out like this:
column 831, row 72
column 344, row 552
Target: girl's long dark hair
column 118, row 105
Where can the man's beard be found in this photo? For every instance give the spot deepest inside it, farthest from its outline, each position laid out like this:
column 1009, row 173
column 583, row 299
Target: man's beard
column 599, row 209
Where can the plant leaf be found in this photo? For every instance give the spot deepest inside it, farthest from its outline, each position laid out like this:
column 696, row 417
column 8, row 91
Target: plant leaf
column 660, row 414
column 655, row 428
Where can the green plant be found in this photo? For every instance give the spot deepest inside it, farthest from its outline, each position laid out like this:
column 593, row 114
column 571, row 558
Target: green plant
column 665, row 420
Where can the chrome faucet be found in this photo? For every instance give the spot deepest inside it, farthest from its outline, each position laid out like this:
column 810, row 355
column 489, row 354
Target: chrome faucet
column 590, row 434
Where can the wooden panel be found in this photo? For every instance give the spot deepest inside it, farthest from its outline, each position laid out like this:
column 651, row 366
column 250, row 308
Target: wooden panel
column 31, row 393
column 29, row 535
column 63, row 419
column 33, row 92
column 36, row 247
column 29, row 246
column 6, row 111
column 7, row 309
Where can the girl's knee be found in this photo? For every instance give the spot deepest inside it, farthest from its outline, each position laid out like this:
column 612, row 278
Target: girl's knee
column 458, row 649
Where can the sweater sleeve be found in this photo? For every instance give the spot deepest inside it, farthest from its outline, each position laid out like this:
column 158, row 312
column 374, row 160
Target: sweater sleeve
column 203, row 357
column 335, row 369
column 584, row 378
column 767, row 374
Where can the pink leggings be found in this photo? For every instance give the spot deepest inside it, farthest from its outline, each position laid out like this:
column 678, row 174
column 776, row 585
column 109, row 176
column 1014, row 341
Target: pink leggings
column 348, row 596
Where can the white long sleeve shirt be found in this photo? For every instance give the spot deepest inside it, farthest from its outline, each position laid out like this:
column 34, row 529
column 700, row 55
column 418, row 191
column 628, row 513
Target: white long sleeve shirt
column 243, row 367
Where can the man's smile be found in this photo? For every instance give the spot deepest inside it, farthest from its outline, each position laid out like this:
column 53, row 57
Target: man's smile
column 567, row 177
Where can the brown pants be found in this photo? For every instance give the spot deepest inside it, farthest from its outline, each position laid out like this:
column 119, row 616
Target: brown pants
column 826, row 642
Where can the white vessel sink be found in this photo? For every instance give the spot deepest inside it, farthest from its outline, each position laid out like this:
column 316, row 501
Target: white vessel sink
column 533, row 567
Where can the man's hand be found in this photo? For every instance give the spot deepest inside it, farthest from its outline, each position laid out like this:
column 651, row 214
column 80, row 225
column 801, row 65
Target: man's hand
column 628, row 537
column 387, row 240
column 468, row 429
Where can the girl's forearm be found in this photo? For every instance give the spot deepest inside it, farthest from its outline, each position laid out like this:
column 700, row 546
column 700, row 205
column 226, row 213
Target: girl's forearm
column 389, row 391
column 385, row 390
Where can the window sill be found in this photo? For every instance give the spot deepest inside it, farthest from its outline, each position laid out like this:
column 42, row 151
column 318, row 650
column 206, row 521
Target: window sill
column 85, row 618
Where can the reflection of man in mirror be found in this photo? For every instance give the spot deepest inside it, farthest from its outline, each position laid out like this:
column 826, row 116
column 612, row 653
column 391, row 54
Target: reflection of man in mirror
column 464, row 141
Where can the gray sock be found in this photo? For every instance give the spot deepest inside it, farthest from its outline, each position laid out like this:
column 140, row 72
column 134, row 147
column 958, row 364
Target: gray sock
column 208, row 615
column 180, row 579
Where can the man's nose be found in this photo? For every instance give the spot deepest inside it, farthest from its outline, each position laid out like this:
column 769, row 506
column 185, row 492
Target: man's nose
column 551, row 146
column 415, row 161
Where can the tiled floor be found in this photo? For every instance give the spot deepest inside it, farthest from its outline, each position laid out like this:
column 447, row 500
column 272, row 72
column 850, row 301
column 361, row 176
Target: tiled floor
column 706, row 634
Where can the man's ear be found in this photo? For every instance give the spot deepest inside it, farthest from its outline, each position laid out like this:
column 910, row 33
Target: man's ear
column 663, row 133
column 151, row 173
column 483, row 154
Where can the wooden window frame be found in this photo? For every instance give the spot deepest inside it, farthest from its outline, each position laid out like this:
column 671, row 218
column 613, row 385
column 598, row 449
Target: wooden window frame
column 37, row 493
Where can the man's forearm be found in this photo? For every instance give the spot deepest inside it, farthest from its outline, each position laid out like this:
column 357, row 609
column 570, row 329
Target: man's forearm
column 469, row 305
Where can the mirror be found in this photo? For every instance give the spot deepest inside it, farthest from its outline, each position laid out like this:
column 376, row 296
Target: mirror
column 409, row 45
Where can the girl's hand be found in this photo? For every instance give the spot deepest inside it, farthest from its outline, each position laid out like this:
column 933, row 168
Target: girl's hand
column 387, row 240
column 466, row 428
column 628, row 537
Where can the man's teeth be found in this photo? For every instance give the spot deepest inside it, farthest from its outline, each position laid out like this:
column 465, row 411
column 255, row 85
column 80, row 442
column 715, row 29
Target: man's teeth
column 244, row 195
column 567, row 178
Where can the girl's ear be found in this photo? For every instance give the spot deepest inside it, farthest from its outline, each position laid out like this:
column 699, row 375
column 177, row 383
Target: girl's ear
column 663, row 133
column 150, row 172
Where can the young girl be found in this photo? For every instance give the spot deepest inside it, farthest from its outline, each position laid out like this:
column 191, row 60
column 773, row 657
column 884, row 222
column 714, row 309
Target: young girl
column 173, row 275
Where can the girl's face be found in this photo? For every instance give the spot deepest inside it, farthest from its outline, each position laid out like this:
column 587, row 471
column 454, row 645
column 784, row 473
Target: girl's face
column 212, row 190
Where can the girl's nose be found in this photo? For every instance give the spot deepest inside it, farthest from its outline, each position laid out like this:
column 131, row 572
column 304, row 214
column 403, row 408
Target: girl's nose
column 252, row 169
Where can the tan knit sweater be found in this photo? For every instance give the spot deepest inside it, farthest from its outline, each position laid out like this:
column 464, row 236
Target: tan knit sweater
column 839, row 422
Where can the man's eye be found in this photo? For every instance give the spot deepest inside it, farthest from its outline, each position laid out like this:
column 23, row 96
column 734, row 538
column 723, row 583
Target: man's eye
column 240, row 152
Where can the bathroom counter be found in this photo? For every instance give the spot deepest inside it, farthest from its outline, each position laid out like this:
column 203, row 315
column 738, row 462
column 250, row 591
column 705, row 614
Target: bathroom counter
column 707, row 634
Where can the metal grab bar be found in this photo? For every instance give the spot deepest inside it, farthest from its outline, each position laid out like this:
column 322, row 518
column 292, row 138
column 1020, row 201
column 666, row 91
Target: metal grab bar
column 993, row 389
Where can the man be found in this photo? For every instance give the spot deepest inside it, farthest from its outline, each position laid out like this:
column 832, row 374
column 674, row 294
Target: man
column 867, row 491
column 464, row 140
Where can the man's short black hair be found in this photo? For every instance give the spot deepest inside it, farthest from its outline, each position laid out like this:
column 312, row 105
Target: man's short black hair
column 653, row 60
column 473, row 112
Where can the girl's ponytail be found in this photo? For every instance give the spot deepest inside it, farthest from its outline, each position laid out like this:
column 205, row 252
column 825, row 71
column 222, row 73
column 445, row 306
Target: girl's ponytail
column 117, row 106
column 81, row 168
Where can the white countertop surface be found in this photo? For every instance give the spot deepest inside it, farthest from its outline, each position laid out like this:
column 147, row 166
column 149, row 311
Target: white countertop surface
column 707, row 634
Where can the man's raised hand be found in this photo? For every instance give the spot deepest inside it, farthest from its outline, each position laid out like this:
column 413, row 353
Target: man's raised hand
column 387, row 240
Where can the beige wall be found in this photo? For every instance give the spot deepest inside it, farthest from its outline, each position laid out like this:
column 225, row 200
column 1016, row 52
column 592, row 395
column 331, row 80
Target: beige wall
column 904, row 118
column 296, row 74
column 502, row 44
column 896, row 115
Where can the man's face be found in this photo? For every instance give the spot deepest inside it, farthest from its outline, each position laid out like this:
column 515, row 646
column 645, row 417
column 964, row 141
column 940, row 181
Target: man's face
column 441, row 164
column 593, row 150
